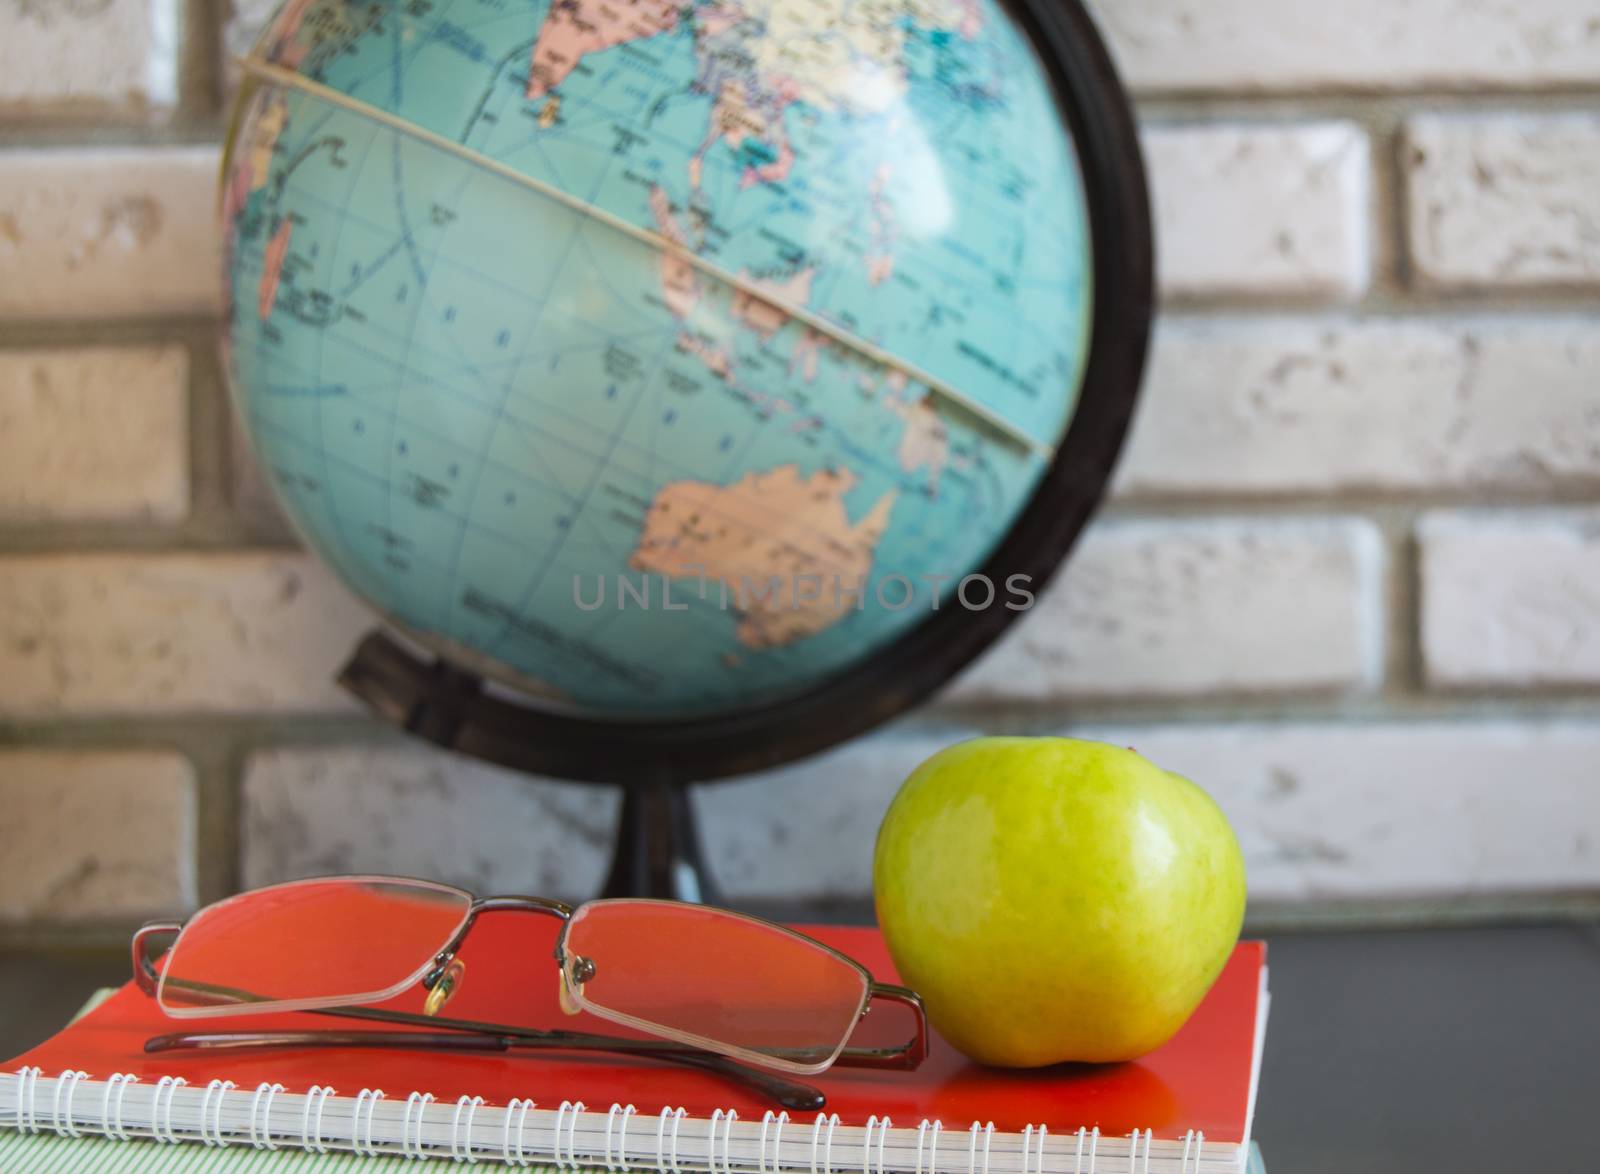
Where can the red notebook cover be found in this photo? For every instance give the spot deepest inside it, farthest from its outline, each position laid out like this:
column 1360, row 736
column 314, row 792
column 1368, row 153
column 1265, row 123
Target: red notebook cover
column 1202, row 1080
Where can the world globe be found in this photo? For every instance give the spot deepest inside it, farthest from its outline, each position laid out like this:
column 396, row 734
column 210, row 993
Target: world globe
column 668, row 358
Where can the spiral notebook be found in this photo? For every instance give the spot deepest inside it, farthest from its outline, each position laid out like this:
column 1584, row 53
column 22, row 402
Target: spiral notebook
column 1185, row 1108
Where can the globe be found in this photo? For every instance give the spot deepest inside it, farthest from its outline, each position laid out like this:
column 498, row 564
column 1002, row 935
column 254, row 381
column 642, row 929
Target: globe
column 660, row 358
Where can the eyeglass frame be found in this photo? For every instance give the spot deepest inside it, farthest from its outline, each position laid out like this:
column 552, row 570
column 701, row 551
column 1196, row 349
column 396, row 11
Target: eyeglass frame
column 440, row 975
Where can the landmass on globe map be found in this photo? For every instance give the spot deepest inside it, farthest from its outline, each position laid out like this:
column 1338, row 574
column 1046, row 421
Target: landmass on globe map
column 757, row 307
column 779, row 545
column 758, row 57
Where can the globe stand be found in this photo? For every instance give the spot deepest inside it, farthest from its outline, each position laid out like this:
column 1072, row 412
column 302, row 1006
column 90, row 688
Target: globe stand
column 657, row 852
column 656, row 760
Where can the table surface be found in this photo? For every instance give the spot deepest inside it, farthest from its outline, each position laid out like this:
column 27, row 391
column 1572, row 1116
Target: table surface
column 1451, row 1050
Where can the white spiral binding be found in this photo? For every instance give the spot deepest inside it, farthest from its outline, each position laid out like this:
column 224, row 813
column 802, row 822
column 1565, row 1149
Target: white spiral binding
column 570, row 1160
column 622, row 1138
column 727, row 1117
column 368, row 1100
column 1028, row 1134
column 27, row 1091
column 311, row 1126
column 555, row 1138
column 827, row 1153
column 67, row 1082
column 111, row 1105
column 1133, row 1151
column 663, row 1163
column 461, row 1148
column 212, row 1136
column 661, row 1138
column 572, row 1134
column 409, row 1149
column 936, row 1127
column 611, row 1119
column 165, row 1135
column 882, row 1125
column 711, row 1139
column 777, row 1143
column 768, row 1118
column 205, row 1108
column 972, row 1148
column 519, row 1159
column 614, row 1158
column 261, row 1137
column 677, row 1122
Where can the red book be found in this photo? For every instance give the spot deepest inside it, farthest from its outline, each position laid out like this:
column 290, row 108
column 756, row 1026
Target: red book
column 1202, row 1082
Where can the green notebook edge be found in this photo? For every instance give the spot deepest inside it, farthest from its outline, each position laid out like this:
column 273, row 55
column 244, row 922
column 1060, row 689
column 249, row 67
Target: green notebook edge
column 50, row 1154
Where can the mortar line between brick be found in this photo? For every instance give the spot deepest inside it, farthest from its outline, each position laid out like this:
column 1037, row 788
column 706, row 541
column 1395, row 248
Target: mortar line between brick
column 200, row 84
column 1286, row 107
column 226, row 531
column 244, row 734
column 1581, row 909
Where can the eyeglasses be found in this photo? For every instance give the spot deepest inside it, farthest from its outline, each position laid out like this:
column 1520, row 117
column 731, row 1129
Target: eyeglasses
column 711, row 989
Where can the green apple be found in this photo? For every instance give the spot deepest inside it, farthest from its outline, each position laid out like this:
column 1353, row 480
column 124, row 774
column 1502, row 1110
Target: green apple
column 1056, row 900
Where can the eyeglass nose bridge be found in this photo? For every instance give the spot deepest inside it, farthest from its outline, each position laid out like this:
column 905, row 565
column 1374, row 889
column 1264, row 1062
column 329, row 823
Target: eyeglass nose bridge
column 443, row 979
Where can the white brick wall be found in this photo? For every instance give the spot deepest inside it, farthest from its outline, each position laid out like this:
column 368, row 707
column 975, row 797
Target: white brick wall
column 1321, row 811
column 108, row 58
column 244, row 21
column 176, row 633
column 1505, row 201
column 1277, row 406
column 95, row 837
column 1261, row 211
column 1243, row 46
column 94, row 435
column 108, row 232
column 1363, row 489
column 1148, row 609
column 250, row 490
column 1511, row 599
column 415, row 812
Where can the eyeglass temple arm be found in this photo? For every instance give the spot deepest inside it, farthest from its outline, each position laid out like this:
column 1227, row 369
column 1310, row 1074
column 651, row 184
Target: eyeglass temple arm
column 903, row 1057
column 464, row 1036
column 144, row 966
column 791, row 1094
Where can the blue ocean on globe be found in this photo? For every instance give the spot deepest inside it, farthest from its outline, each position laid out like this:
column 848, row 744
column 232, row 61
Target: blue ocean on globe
column 659, row 357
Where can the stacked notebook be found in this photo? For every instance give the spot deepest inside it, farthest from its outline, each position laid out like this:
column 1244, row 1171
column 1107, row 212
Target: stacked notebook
column 1185, row 1108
